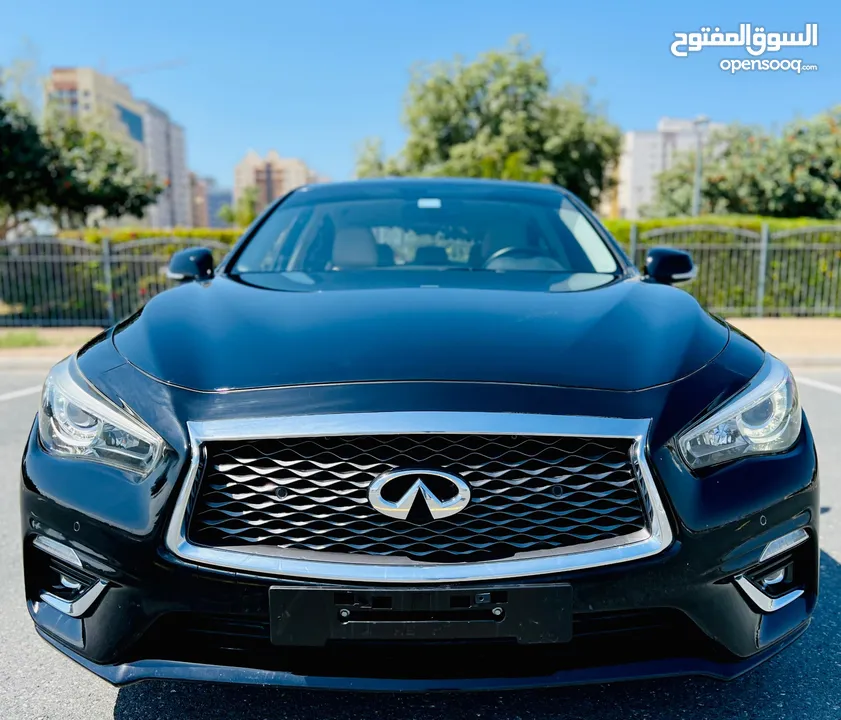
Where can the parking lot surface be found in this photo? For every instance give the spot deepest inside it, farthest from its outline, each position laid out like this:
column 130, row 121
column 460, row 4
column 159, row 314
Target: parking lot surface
column 803, row 682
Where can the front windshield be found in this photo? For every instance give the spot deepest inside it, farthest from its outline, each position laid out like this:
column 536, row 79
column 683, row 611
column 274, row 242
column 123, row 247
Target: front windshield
column 428, row 233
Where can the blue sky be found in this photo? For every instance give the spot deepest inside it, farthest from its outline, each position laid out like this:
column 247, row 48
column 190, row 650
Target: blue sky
column 313, row 78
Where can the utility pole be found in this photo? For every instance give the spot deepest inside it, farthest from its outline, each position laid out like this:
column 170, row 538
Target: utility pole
column 700, row 124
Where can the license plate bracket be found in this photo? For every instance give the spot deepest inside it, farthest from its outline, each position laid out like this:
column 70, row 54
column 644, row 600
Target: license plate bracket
column 314, row 615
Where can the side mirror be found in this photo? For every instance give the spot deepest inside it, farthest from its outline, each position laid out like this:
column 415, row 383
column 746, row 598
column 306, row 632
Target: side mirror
column 667, row 266
column 191, row 264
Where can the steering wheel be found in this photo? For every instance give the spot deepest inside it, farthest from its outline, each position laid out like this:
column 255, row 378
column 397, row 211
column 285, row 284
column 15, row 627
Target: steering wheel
column 523, row 253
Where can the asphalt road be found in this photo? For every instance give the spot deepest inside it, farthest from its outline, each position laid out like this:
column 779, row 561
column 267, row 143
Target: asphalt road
column 803, row 682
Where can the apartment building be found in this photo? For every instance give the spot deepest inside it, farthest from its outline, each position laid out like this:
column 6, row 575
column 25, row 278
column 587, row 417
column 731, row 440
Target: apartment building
column 158, row 143
column 217, row 198
column 273, row 176
column 89, row 95
column 206, row 200
column 646, row 154
column 199, row 215
column 166, row 157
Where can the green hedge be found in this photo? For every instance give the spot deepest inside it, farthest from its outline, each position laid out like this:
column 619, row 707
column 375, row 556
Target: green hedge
column 621, row 229
column 225, row 235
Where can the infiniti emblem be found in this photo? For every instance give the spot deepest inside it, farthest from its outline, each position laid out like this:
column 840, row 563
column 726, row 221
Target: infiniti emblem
column 396, row 493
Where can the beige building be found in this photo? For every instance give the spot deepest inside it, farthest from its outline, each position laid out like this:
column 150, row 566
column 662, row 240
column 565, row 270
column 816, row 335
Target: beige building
column 158, row 143
column 646, row 154
column 198, row 202
column 90, row 95
column 273, row 176
column 609, row 201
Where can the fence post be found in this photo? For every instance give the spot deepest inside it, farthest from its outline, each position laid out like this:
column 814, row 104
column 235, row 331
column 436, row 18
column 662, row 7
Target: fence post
column 763, row 266
column 632, row 251
column 109, row 286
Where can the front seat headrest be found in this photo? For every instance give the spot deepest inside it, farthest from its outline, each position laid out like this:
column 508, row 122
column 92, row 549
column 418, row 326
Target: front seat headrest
column 354, row 248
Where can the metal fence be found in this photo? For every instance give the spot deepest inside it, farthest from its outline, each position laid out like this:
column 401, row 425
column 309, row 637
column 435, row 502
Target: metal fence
column 60, row 282
column 744, row 273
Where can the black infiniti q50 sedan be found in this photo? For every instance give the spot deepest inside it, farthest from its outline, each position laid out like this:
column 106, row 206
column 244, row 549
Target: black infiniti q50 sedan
column 421, row 435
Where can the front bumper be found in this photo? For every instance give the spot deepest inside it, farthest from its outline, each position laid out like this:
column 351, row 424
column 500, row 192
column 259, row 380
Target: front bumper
column 131, row 672
column 676, row 613
column 680, row 611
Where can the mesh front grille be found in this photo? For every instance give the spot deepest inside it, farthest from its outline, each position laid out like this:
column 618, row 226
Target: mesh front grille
column 528, row 493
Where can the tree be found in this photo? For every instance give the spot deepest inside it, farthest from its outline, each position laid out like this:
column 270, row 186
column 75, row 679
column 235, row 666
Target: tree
column 498, row 117
column 29, row 171
column 371, row 163
column 20, row 81
column 748, row 171
column 103, row 174
column 65, row 172
column 244, row 212
column 810, row 163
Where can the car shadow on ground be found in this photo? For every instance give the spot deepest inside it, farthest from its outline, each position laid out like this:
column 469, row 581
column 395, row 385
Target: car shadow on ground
column 803, row 681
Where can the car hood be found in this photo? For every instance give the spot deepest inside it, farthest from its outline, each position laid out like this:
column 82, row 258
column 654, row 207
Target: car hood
column 226, row 334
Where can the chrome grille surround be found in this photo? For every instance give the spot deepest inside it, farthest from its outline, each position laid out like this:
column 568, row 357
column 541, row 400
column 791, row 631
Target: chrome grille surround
column 525, row 494
column 271, row 561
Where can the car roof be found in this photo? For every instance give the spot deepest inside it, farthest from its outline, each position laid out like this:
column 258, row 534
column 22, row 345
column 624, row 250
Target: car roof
column 396, row 187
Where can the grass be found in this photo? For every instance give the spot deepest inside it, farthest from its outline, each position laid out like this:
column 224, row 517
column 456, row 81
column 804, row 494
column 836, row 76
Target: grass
column 22, row 339
column 15, row 338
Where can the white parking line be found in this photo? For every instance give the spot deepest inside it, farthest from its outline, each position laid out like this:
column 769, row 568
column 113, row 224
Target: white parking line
column 20, row 393
column 819, row 384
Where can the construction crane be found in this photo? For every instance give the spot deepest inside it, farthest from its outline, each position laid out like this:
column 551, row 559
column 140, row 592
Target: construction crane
column 143, row 69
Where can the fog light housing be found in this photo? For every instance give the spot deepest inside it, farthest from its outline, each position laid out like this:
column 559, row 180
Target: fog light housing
column 61, row 581
column 779, row 579
column 774, row 578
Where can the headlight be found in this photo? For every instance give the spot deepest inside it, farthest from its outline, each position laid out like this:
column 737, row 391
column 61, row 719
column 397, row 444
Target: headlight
column 765, row 418
column 76, row 421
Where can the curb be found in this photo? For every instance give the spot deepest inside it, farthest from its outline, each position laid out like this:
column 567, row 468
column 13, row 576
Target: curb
column 801, row 361
column 40, row 362
column 21, row 362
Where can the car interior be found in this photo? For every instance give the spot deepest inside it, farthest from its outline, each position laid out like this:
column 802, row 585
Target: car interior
column 400, row 234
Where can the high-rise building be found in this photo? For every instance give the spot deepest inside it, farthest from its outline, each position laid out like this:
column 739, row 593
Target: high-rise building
column 272, row 176
column 166, row 157
column 89, row 95
column 198, row 201
column 645, row 155
column 217, row 198
column 158, row 143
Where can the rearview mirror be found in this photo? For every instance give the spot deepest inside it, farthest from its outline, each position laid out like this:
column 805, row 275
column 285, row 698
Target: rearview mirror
column 668, row 266
column 191, row 264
